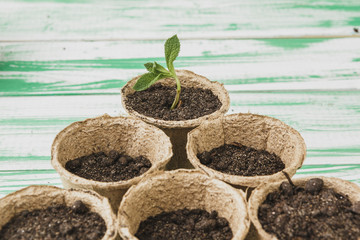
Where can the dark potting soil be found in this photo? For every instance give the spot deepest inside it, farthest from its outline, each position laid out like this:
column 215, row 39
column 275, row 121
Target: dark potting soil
column 108, row 168
column 56, row 222
column 185, row 224
column 237, row 159
column 313, row 212
column 156, row 102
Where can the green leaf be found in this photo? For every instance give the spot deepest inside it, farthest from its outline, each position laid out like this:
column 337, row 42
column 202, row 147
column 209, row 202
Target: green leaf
column 157, row 72
column 149, row 66
column 172, row 49
column 157, row 78
column 160, row 69
column 156, row 68
column 146, row 80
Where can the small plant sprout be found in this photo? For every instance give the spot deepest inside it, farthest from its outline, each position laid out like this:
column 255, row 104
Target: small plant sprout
column 157, row 72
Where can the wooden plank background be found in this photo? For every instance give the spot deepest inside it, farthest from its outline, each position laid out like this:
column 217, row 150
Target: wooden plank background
column 34, row 20
column 63, row 61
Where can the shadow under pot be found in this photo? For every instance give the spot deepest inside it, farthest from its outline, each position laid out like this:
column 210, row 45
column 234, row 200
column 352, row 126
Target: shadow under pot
column 200, row 99
column 183, row 203
column 246, row 150
column 47, row 212
column 109, row 154
column 306, row 208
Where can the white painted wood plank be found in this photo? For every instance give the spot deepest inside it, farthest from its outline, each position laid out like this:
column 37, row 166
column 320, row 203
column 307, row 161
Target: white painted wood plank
column 269, row 49
column 332, row 128
column 242, row 65
column 157, row 19
column 328, row 121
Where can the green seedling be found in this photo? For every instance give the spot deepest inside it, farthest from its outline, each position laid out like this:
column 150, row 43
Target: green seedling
column 157, row 72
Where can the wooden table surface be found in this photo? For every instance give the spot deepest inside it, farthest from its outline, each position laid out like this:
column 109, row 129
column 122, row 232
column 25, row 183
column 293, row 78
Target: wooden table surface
column 65, row 60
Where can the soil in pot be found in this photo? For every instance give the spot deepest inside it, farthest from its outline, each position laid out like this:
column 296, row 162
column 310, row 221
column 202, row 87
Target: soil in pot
column 237, row 159
column 156, row 101
column 56, row 222
column 185, row 224
column 110, row 167
column 312, row 212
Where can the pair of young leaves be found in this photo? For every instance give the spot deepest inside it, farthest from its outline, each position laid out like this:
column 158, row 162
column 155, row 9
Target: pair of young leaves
column 157, row 72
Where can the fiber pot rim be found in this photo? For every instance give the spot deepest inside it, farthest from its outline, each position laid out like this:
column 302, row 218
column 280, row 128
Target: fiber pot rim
column 239, row 196
column 34, row 191
column 88, row 183
column 259, row 194
column 248, row 181
column 220, row 92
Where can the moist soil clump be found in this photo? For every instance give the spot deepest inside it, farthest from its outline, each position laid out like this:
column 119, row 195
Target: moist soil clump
column 156, row 101
column 185, row 224
column 113, row 167
column 237, row 159
column 58, row 222
column 313, row 212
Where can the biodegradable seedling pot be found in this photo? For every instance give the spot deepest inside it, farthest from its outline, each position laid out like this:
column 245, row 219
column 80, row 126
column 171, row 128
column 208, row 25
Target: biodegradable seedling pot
column 174, row 190
column 106, row 133
column 42, row 197
column 259, row 195
column 177, row 130
column 256, row 131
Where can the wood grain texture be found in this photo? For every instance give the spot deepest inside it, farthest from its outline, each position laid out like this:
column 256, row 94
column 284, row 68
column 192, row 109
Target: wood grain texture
column 103, row 67
column 34, row 20
column 328, row 121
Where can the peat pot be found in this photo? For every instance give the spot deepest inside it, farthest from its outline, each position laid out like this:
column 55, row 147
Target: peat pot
column 255, row 131
column 179, row 189
column 259, row 195
column 177, row 130
column 41, row 197
column 103, row 134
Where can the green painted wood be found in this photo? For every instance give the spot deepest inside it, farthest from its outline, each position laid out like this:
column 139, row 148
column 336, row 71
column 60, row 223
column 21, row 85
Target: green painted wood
column 33, row 20
column 59, row 68
column 329, row 121
column 13, row 180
